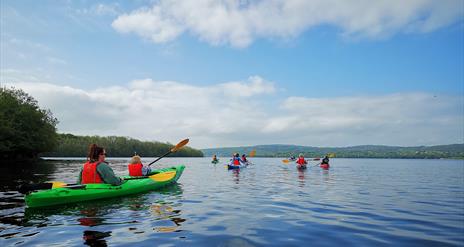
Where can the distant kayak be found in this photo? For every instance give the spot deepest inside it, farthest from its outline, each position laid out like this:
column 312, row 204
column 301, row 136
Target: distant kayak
column 231, row 167
column 325, row 166
column 301, row 167
column 215, row 161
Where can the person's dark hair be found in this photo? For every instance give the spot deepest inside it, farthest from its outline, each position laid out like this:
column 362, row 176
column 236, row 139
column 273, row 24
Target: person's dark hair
column 94, row 152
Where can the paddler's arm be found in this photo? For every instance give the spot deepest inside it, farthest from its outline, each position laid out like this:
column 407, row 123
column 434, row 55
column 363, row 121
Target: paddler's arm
column 146, row 170
column 107, row 174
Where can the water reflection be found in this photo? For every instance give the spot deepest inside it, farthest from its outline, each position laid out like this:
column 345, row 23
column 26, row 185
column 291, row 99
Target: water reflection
column 95, row 238
column 301, row 177
column 13, row 175
column 166, row 212
column 235, row 175
column 325, row 175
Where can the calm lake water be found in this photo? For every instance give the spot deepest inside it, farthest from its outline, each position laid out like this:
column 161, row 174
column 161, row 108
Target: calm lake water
column 358, row 202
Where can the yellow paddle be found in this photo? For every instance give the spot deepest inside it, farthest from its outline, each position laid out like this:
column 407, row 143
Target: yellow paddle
column 174, row 149
column 286, row 161
column 252, row 153
column 58, row 184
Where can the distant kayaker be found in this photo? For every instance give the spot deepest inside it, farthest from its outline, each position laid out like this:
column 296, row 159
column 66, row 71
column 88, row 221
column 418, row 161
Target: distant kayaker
column 215, row 159
column 136, row 168
column 301, row 161
column 96, row 170
column 244, row 159
column 235, row 160
column 325, row 160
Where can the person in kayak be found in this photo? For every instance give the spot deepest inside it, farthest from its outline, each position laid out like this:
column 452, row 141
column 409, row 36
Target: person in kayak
column 244, row 159
column 136, row 168
column 325, row 163
column 215, row 159
column 325, row 160
column 235, row 161
column 96, row 170
column 301, row 161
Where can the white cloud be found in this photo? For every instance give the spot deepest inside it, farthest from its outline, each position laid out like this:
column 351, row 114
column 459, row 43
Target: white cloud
column 239, row 23
column 220, row 116
column 395, row 119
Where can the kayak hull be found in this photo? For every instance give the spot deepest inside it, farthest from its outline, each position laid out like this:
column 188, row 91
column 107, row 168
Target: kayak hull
column 301, row 167
column 233, row 167
column 325, row 166
column 65, row 195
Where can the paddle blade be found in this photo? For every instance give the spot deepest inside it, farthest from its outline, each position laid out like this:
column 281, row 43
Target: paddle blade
column 252, row 153
column 57, row 184
column 180, row 145
column 331, row 155
column 27, row 188
column 164, row 176
column 286, row 161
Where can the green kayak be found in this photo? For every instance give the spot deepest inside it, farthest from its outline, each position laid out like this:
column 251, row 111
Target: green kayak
column 77, row 193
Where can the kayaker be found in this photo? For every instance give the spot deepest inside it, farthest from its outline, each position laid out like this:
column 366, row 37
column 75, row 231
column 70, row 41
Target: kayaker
column 244, row 159
column 325, row 163
column 235, row 160
column 215, row 159
column 136, row 168
column 96, row 170
column 301, row 161
column 325, row 160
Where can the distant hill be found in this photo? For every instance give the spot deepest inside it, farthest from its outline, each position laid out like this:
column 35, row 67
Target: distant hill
column 452, row 151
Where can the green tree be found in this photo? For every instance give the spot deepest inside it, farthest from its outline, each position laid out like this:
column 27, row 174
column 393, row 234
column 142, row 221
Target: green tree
column 25, row 129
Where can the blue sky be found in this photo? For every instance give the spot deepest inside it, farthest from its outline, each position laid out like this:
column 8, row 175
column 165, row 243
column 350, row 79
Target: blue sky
column 316, row 73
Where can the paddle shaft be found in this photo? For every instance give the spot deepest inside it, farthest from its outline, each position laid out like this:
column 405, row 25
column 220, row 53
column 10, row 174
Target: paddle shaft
column 26, row 188
column 164, row 155
column 174, row 149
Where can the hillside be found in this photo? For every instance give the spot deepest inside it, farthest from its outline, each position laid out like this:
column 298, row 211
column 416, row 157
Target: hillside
column 452, row 151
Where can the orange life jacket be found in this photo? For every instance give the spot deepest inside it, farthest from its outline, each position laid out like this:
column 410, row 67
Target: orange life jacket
column 301, row 161
column 135, row 169
column 90, row 174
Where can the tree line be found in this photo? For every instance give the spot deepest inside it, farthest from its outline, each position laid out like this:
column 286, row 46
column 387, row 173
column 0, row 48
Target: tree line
column 116, row 146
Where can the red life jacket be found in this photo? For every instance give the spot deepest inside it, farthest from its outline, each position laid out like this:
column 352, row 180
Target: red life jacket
column 90, row 174
column 135, row 169
column 236, row 162
column 301, row 161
